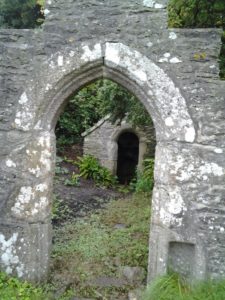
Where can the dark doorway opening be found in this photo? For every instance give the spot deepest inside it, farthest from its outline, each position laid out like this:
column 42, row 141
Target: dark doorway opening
column 128, row 152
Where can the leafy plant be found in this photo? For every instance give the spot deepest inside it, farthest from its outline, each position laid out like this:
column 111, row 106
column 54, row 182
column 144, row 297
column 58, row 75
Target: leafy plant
column 144, row 181
column 59, row 170
column 74, row 181
column 60, row 210
column 91, row 169
column 14, row 289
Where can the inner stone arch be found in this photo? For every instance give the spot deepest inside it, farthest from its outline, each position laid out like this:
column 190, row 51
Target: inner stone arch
column 152, row 87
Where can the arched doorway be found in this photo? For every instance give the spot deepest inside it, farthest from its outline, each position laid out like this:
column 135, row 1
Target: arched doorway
column 175, row 133
column 128, row 152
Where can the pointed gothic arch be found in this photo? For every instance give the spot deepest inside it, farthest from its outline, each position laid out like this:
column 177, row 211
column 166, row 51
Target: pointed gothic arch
column 63, row 74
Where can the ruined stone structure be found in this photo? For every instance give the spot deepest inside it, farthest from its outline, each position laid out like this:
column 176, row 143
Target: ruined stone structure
column 101, row 141
column 174, row 73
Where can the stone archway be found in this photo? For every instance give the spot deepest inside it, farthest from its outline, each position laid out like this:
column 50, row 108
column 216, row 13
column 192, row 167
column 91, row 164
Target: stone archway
column 30, row 204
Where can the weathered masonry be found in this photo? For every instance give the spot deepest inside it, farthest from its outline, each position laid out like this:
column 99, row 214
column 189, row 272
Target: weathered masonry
column 174, row 73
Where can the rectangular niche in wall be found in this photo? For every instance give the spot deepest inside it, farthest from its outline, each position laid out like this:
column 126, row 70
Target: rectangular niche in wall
column 181, row 258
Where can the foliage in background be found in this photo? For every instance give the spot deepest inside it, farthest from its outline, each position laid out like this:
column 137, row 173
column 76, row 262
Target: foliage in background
column 91, row 169
column 196, row 13
column 144, row 181
column 199, row 13
column 94, row 102
column 21, row 13
column 172, row 287
column 13, row 289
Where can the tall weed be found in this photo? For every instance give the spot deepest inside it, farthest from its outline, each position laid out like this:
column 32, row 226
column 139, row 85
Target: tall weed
column 173, row 287
column 144, row 181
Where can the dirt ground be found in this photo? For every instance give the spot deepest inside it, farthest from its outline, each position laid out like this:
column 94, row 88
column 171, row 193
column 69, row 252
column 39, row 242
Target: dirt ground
column 82, row 199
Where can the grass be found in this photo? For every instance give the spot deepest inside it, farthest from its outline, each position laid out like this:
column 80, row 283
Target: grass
column 94, row 246
column 172, row 287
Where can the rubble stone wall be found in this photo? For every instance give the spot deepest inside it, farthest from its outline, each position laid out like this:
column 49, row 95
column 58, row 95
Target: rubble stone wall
column 174, row 73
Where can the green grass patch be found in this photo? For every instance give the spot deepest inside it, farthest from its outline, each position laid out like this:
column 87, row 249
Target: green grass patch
column 173, row 287
column 95, row 246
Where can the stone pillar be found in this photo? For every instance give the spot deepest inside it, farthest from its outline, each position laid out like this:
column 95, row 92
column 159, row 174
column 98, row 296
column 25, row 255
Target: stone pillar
column 187, row 211
column 25, row 229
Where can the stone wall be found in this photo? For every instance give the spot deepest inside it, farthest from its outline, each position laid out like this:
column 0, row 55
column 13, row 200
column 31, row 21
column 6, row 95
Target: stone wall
column 174, row 73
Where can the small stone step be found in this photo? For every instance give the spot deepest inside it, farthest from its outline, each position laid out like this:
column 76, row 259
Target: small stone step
column 133, row 275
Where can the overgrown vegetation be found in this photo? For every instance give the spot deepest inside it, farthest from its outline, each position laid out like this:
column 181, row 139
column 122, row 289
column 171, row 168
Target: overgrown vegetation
column 94, row 102
column 13, row 289
column 144, row 181
column 199, row 13
column 99, row 245
column 196, row 13
column 91, row 169
column 173, row 287
column 21, row 13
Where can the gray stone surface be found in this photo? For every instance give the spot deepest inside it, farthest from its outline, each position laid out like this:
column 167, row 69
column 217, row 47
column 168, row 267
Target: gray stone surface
column 133, row 275
column 174, row 73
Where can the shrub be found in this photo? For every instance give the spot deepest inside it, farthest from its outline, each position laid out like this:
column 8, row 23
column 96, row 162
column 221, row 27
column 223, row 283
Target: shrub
column 145, row 179
column 91, row 169
column 14, row 289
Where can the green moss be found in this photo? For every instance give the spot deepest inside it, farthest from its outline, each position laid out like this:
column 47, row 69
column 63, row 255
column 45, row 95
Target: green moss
column 200, row 56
